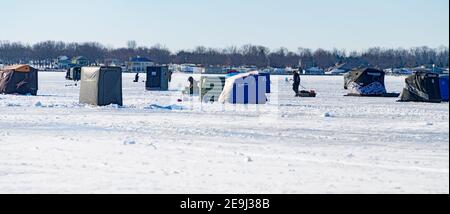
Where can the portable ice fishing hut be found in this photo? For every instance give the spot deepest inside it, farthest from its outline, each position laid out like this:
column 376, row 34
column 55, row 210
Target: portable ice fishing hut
column 366, row 82
column 101, row 86
column 157, row 78
column 211, row 87
column 422, row 87
column 267, row 81
column 247, row 88
column 19, row 79
column 444, row 87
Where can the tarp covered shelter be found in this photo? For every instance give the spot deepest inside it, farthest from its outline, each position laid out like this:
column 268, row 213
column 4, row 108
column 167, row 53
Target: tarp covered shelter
column 365, row 82
column 19, row 79
column 101, row 86
column 422, row 87
column 444, row 87
column 247, row 88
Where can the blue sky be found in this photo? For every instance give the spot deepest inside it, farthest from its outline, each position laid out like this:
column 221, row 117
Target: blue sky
column 185, row 24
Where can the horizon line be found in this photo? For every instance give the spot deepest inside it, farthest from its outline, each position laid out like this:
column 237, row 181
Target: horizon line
column 164, row 46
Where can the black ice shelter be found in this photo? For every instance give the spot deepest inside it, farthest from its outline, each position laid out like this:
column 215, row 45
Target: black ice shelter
column 19, row 79
column 422, row 87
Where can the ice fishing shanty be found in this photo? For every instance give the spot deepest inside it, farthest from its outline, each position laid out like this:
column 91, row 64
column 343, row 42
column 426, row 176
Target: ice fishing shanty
column 101, row 86
column 157, row 78
column 19, row 79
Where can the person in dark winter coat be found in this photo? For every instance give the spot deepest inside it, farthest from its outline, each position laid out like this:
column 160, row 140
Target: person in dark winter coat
column 296, row 84
column 192, row 85
column 136, row 78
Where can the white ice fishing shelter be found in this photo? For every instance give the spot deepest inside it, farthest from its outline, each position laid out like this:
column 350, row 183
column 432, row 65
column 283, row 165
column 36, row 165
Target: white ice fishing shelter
column 247, row 88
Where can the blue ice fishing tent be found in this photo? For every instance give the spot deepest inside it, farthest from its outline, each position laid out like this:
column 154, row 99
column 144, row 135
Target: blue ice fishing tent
column 444, row 87
column 246, row 88
column 266, row 80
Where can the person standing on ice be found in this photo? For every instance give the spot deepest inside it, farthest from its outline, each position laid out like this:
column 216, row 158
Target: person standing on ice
column 296, row 84
column 193, row 86
column 170, row 75
column 136, row 78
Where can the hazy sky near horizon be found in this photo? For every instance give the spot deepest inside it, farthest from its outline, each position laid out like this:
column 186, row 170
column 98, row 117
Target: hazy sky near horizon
column 185, row 24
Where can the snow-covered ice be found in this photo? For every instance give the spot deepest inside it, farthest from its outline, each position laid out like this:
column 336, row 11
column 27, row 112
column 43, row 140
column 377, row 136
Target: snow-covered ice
column 155, row 144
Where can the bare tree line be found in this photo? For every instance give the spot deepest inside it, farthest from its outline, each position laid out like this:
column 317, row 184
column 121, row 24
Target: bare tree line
column 247, row 55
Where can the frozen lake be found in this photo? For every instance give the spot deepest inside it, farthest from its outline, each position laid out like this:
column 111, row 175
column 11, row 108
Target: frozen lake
column 329, row 144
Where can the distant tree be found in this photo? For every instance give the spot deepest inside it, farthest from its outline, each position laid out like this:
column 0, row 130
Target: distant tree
column 43, row 53
column 131, row 44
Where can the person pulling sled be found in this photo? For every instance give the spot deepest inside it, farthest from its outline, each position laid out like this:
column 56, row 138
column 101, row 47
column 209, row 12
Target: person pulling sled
column 296, row 87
